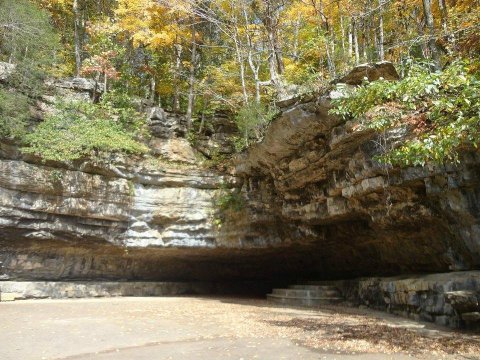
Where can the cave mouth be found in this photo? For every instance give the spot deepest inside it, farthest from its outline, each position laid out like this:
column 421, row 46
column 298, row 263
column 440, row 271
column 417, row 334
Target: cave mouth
column 347, row 251
column 223, row 271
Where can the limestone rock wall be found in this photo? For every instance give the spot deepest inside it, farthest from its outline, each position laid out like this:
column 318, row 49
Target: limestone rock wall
column 361, row 217
column 124, row 218
column 448, row 299
column 315, row 205
column 142, row 208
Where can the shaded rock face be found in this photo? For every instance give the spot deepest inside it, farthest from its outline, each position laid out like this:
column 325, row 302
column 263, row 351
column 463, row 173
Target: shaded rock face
column 166, row 125
column 216, row 139
column 125, row 221
column 362, row 217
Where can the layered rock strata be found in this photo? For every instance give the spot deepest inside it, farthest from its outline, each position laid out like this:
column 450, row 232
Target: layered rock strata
column 315, row 204
column 448, row 299
column 125, row 218
column 362, row 217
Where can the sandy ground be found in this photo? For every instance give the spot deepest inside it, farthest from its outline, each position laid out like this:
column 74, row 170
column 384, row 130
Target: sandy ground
column 216, row 328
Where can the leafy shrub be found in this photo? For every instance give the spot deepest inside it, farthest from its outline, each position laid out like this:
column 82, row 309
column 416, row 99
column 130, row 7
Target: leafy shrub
column 80, row 129
column 449, row 100
column 230, row 200
column 252, row 119
column 14, row 111
column 29, row 41
column 229, row 203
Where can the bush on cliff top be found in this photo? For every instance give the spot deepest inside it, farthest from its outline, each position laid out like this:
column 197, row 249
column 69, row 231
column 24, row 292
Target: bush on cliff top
column 28, row 40
column 14, row 110
column 443, row 107
column 80, row 129
column 252, row 120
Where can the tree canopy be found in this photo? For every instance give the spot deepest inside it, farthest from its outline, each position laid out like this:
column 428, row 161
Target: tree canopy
column 198, row 56
column 236, row 48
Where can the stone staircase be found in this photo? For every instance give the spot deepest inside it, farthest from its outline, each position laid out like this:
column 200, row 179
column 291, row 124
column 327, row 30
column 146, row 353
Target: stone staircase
column 310, row 294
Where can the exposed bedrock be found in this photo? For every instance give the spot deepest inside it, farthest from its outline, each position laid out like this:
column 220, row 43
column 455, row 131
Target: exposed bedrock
column 364, row 218
column 316, row 205
column 125, row 219
column 122, row 221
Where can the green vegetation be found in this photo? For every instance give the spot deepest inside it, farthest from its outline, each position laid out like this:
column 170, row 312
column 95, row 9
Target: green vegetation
column 201, row 57
column 443, row 107
column 14, row 110
column 56, row 176
column 252, row 120
column 228, row 202
column 80, row 129
column 29, row 41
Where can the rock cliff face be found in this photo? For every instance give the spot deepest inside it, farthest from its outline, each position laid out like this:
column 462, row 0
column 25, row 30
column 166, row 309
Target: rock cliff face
column 359, row 216
column 316, row 205
column 122, row 218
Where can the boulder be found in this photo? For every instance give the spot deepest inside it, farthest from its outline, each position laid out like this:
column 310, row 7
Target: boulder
column 79, row 84
column 371, row 72
column 166, row 125
column 6, row 70
column 463, row 301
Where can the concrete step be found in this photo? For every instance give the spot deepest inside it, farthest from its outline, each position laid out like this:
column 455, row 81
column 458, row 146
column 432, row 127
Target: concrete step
column 314, row 287
column 306, row 293
column 321, row 283
column 302, row 301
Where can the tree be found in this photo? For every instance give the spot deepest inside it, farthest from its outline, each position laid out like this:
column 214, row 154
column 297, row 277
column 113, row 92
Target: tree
column 268, row 11
column 432, row 43
column 28, row 41
column 197, row 55
column 78, row 34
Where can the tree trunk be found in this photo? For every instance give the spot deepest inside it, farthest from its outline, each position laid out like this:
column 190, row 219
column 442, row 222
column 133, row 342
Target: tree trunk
column 204, row 108
column 77, row 36
column 240, row 59
column 342, row 27
column 105, row 83
column 242, row 77
column 296, row 30
column 381, row 51
column 272, row 62
column 253, row 67
column 279, row 55
column 191, row 91
column 420, row 30
column 153, row 88
column 365, row 40
column 355, row 42
column 275, row 59
column 432, row 44
column 326, row 30
column 444, row 15
column 176, row 75
column 350, row 40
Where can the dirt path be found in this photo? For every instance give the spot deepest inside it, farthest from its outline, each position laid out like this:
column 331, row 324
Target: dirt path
column 215, row 328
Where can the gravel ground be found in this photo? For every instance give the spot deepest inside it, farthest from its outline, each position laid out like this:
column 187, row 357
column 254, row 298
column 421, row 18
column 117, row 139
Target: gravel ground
column 220, row 328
